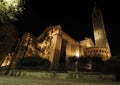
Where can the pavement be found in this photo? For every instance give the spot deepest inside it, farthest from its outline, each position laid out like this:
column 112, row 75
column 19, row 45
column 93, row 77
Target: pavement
column 30, row 80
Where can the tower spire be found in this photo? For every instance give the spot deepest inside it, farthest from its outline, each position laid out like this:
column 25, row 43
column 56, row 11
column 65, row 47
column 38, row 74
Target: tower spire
column 99, row 29
column 94, row 7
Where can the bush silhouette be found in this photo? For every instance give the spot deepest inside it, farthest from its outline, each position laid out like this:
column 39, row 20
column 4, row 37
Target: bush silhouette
column 33, row 63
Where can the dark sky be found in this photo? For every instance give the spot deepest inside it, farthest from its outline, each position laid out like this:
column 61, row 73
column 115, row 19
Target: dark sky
column 74, row 17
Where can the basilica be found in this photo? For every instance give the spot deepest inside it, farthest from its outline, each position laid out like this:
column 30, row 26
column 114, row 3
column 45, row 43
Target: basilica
column 57, row 46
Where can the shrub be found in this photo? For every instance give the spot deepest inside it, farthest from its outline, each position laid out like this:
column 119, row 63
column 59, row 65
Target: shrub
column 33, row 63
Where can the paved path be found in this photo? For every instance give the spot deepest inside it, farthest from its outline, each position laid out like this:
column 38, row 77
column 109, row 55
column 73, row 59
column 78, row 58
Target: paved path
column 20, row 80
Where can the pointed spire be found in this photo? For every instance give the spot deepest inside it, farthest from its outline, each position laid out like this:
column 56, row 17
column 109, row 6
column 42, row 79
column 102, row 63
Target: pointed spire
column 94, row 6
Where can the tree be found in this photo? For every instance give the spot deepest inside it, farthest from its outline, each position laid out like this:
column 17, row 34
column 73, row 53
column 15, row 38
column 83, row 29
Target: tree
column 8, row 38
column 8, row 10
column 8, row 34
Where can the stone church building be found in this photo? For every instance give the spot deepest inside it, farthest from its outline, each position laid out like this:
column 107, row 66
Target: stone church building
column 57, row 46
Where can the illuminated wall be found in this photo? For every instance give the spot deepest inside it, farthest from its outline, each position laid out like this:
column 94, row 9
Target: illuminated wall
column 7, row 60
column 52, row 44
column 72, row 48
column 56, row 46
column 100, row 52
column 99, row 30
column 87, row 42
column 20, row 50
column 47, row 45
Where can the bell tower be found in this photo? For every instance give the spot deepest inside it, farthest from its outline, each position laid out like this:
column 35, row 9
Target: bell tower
column 99, row 29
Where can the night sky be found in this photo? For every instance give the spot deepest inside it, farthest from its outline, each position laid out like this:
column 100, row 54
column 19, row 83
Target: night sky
column 74, row 17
